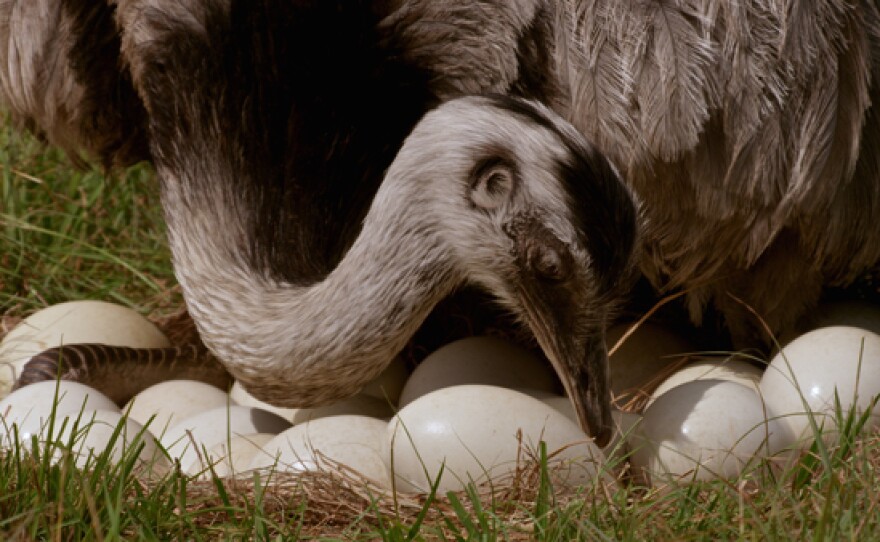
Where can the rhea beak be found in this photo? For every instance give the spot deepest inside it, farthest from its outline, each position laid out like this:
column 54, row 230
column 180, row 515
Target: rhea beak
column 559, row 302
column 577, row 353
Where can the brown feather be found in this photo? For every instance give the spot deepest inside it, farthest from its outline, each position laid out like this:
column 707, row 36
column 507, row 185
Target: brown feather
column 672, row 64
column 757, row 153
column 602, row 83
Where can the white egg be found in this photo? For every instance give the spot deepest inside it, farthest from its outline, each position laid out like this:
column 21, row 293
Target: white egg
column 623, row 423
column 478, row 360
column 362, row 405
column 173, row 400
column 473, row 429
column 229, row 458
column 376, row 399
column 860, row 314
column 353, row 441
column 805, row 374
column 93, row 434
column 194, row 435
column 389, row 384
column 644, row 359
column 241, row 397
column 701, row 430
column 730, row 370
column 70, row 323
column 31, row 407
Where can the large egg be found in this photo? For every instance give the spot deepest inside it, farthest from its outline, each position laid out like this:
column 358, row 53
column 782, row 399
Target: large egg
column 730, row 370
column 94, row 434
column 361, row 405
column 622, row 424
column 230, row 457
column 389, row 384
column 31, row 407
column 70, row 323
column 855, row 313
column 353, row 441
column 860, row 314
column 173, row 400
column 473, row 430
column 377, row 399
column 240, row 396
column 644, row 359
column 810, row 369
column 190, row 437
column 701, row 430
column 478, row 360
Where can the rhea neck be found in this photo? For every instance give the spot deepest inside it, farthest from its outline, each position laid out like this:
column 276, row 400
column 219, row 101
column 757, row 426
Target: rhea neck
column 306, row 344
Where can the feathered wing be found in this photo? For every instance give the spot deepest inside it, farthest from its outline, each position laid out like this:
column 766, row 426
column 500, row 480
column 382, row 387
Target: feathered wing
column 643, row 87
column 671, row 54
column 60, row 77
column 600, row 82
column 750, row 72
column 798, row 167
column 839, row 219
column 742, row 125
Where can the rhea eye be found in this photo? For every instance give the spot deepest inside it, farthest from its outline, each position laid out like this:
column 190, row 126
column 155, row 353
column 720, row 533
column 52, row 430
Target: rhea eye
column 492, row 183
column 498, row 181
column 549, row 264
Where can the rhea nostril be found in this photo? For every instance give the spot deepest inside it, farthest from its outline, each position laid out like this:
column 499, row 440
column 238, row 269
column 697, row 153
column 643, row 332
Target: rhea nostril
column 548, row 263
column 539, row 250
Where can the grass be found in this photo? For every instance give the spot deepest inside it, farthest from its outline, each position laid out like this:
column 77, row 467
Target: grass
column 106, row 501
column 67, row 234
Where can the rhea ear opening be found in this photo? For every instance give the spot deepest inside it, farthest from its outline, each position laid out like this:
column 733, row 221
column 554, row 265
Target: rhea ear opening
column 493, row 182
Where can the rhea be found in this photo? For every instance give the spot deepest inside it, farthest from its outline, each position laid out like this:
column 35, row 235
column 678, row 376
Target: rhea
column 750, row 131
column 496, row 192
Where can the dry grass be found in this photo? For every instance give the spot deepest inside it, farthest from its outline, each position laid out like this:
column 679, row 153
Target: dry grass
column 337, row 501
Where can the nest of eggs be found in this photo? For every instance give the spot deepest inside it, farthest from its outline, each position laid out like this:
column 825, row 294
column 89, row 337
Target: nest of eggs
column 335, row 497
column 327, row 501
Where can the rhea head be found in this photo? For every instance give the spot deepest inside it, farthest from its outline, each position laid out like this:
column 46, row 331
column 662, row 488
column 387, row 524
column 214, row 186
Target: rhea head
column 547, row 227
